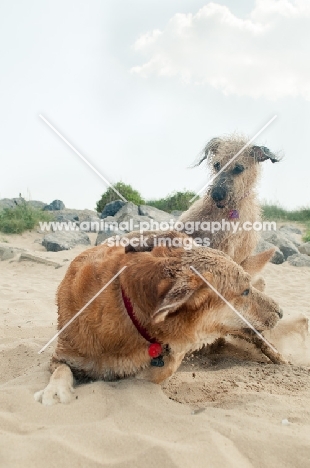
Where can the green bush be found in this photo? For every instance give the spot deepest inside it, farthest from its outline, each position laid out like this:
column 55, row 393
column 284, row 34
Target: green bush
column 175, row 201
column 306, row 237
column 21, row 218
column 274, row 212
column 126, row 190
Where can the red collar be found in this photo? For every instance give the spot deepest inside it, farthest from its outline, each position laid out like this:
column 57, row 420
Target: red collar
column 155, row 348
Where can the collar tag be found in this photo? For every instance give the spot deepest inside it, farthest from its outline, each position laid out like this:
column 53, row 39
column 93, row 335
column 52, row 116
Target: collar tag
column 155, row 350
column 157, row 362
column 233, row 214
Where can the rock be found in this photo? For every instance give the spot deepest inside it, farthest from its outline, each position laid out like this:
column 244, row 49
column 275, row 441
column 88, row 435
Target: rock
column 127, row 209
column 177, row 213
column 111, row 223
column 290, row 228
column 112, row 208
column 36, row 204
column 263, row 245
column 56, row 205
column 67, row 217
column 6, row 253
column 85, row 215
column 128, row 223
column 121, row 227
column 280, row 240
column 110, row 228
column 126, row 220
column 91, row 224
column 155, row 213
column 18, row 201
column 6, row 203
column 102, row 236
column 11, row 202
column 299, row 260
column 76, row 215
column 305, row 248
column 109, row 220
column 61, row 240
column 25, row 257
column 292, row 233
column 129, row 217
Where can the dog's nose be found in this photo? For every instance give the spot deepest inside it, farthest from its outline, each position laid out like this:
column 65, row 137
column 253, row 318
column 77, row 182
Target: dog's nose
column 218, row 193
column 280, row 313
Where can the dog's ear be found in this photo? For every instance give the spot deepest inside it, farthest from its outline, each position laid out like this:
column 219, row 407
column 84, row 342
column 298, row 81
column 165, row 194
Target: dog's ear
column 211, row 147
column 138, row 248
column 261, row 153
column 178, row 294
column 255, row 263
column 147, row 241
column 140, row 243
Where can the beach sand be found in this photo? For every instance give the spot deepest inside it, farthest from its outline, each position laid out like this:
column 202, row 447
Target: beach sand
column 228, row 409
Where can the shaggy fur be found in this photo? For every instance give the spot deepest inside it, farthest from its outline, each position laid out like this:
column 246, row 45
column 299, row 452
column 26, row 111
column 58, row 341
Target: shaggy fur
column 233, row 189
column 170, row 301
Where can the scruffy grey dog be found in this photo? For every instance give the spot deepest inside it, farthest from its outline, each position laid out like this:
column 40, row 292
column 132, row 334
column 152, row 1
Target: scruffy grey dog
column 231, row 197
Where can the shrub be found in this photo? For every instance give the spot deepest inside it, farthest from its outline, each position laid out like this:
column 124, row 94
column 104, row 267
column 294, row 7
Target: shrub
column 175, row 201
column 273, row 212
column 21, row 218
column 306, row 237
column 126, row 190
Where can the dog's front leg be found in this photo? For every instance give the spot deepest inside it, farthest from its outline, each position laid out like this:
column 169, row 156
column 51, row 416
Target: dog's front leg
column 59, row 389
column 159, row 374
column 275, row 357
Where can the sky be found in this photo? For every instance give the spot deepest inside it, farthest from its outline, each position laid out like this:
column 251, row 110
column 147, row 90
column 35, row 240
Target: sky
column 139, row 87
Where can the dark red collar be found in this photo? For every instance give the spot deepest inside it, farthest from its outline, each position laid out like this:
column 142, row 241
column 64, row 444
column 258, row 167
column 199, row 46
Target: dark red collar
column 155, row 348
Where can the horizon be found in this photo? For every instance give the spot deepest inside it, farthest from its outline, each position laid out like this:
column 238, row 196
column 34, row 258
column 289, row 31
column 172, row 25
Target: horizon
column 262, row 203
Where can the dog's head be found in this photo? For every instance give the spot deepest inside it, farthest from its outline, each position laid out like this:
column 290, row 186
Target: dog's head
column 234, row 167
column 197, row 291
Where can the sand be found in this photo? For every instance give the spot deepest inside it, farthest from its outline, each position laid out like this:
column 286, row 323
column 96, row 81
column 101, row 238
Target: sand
column 230, row 408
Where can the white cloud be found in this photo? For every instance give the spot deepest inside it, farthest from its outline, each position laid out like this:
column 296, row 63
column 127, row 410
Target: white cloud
column 263, row 55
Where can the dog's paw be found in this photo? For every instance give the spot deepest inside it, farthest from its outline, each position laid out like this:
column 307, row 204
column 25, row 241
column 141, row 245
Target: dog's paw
column 55, row 392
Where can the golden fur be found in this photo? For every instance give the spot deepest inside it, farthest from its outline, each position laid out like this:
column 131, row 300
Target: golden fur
column 172, row 302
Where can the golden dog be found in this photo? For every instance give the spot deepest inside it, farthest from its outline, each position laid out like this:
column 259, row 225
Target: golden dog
column 145, row 321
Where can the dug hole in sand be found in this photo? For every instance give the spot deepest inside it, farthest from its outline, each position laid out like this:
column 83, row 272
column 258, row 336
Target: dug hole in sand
column 231, row 408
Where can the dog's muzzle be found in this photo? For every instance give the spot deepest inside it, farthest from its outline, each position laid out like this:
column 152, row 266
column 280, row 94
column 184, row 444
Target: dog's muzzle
column 219, row 194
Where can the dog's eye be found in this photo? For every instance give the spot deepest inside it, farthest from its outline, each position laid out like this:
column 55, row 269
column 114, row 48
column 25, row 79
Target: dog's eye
column 217, row 166
column 238, row 169
column 246, row 292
